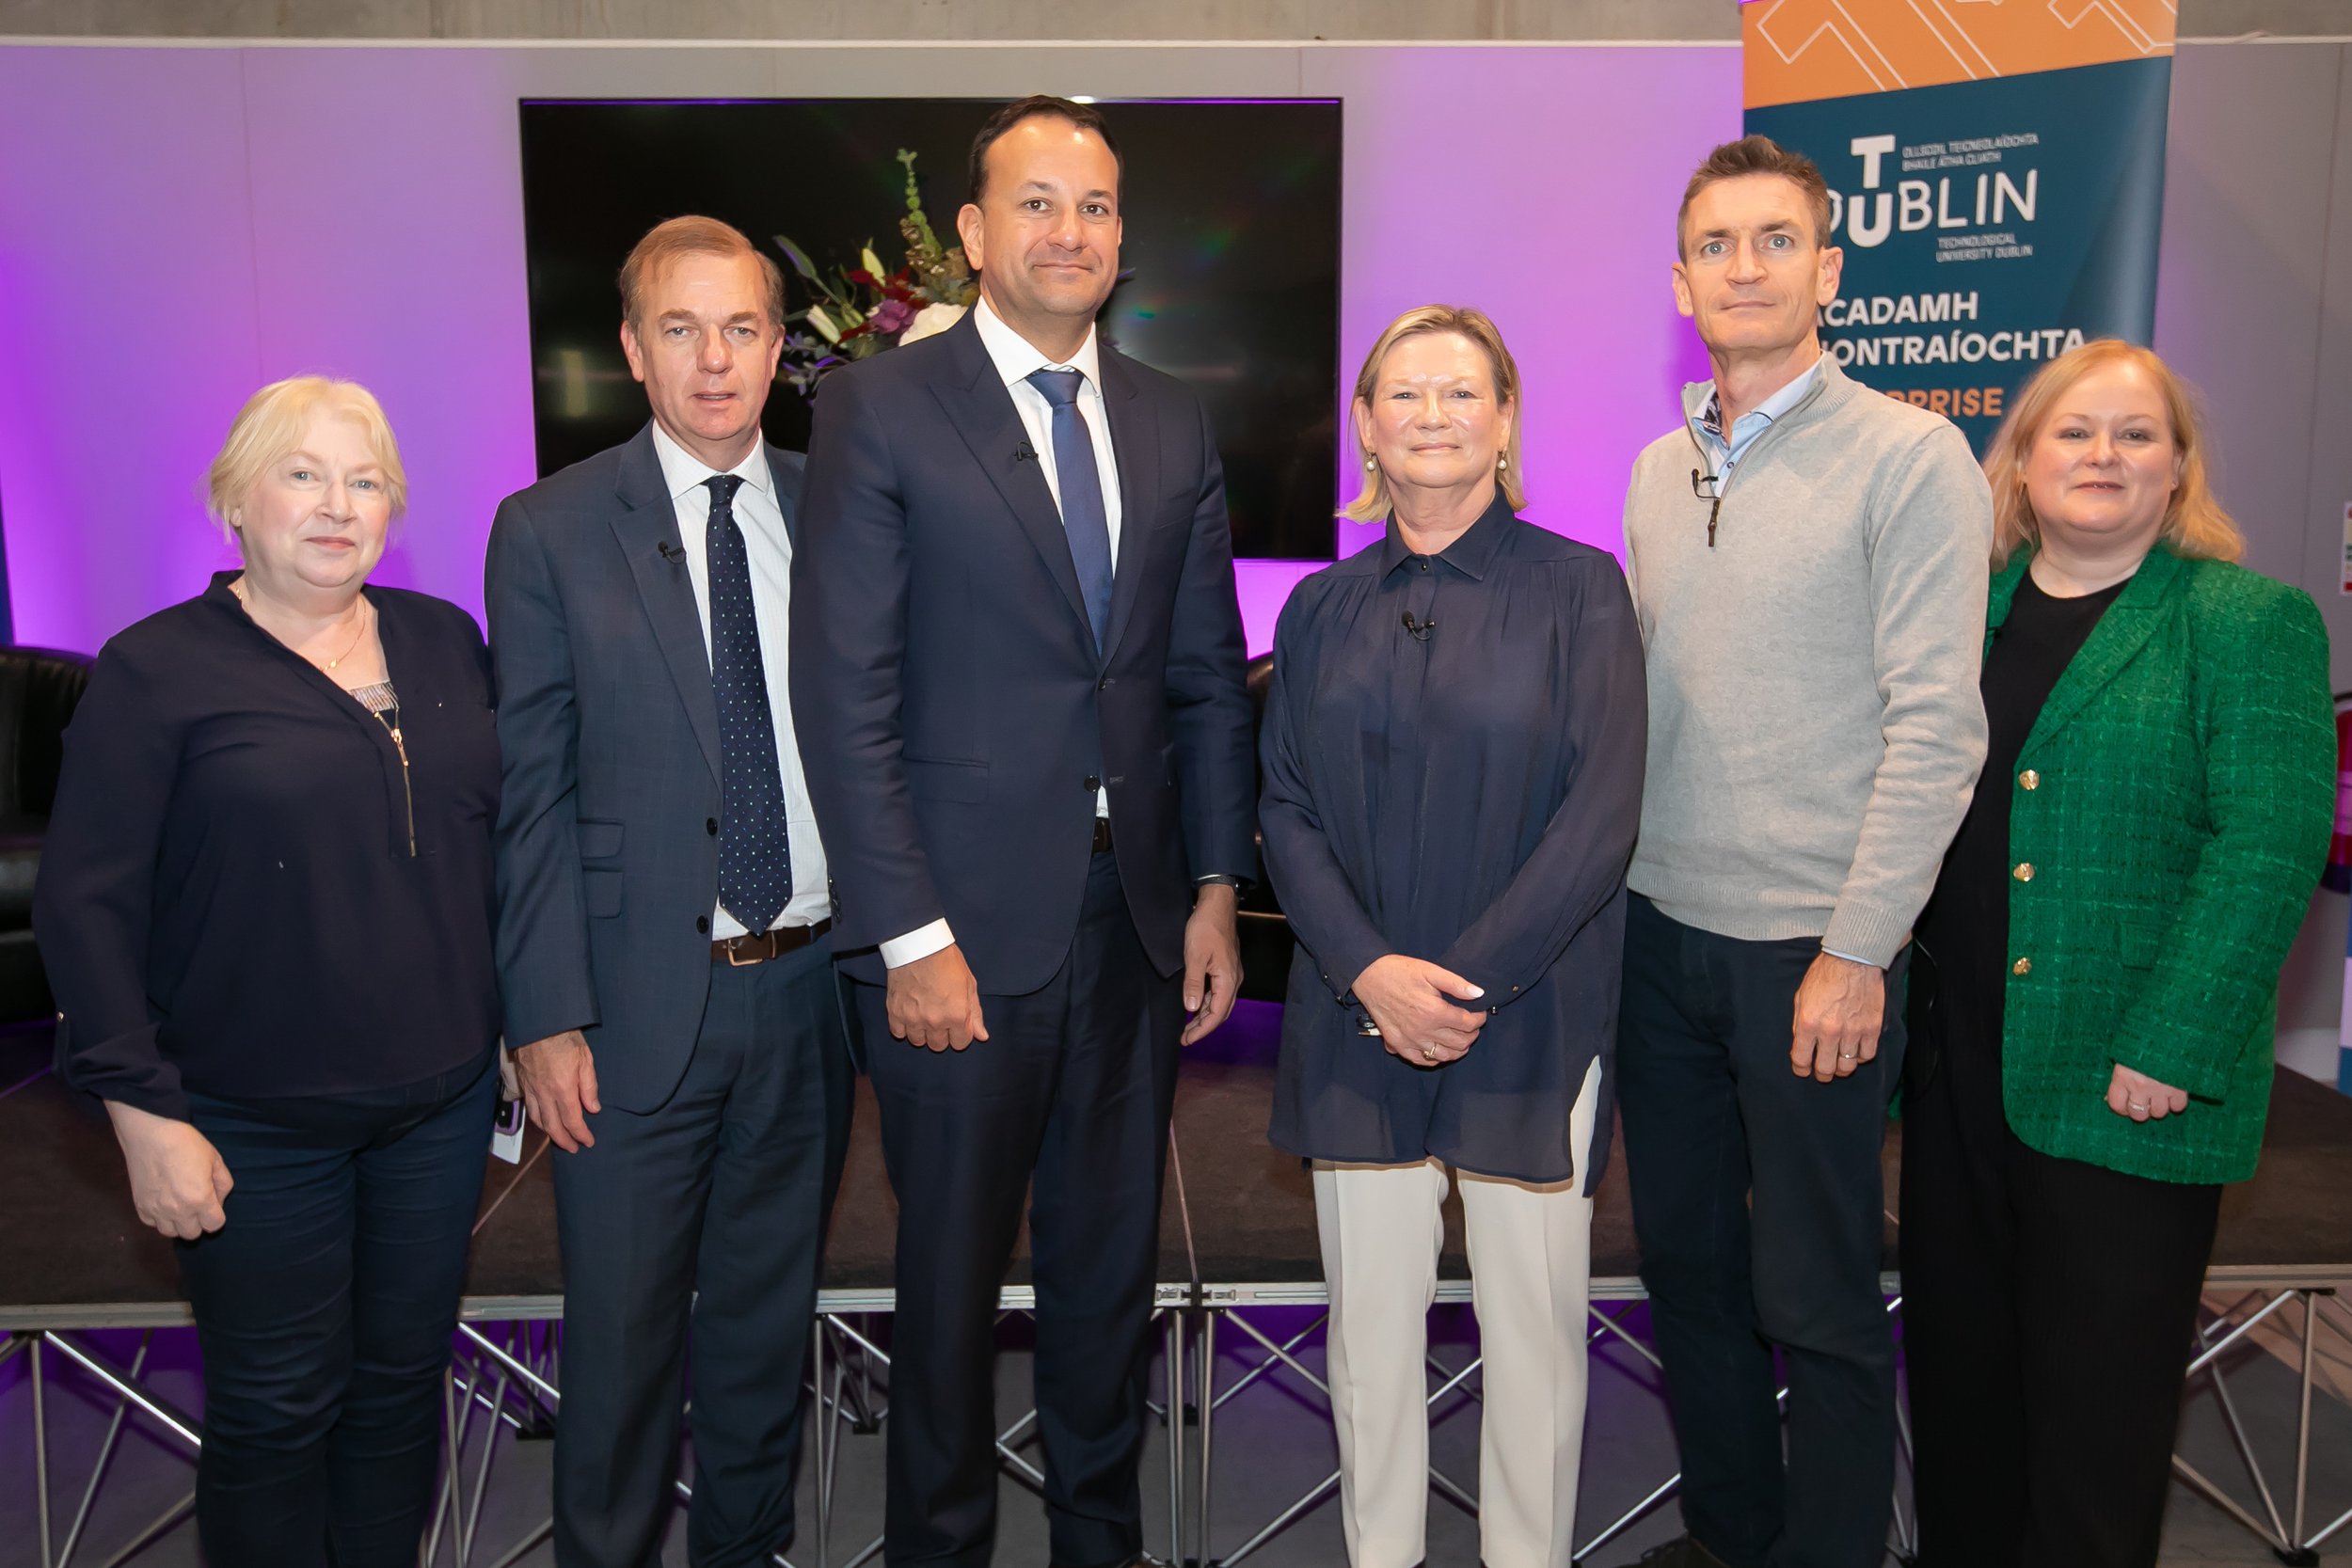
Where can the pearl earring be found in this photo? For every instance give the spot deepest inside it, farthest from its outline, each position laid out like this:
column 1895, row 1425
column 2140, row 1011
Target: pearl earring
column 1504, row 462
column 1370, row 464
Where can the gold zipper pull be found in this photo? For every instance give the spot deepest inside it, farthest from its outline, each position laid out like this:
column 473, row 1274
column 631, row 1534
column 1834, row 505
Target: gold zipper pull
column 407, row 788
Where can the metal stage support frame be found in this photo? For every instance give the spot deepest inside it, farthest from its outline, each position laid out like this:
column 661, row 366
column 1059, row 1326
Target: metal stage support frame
column 504, row 1381
column 2304, row 1306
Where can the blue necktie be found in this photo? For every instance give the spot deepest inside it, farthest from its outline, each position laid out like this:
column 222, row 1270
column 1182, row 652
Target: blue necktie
column 755, row 850
column 1082, row 518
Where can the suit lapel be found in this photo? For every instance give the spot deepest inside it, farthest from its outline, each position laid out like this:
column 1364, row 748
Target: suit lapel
column 1136, row 443
column 979, row 406
column 2121, row 632
column 647, row 522
column 786, row 502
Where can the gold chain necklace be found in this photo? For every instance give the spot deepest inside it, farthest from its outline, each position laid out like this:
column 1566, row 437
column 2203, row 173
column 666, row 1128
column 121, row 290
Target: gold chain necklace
column 238, row 589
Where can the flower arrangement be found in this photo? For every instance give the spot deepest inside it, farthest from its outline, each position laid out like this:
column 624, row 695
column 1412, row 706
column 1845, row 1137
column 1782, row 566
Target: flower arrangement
column 861, row 310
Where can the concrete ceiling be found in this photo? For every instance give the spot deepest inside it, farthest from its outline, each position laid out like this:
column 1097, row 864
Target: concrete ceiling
column 1139, row 21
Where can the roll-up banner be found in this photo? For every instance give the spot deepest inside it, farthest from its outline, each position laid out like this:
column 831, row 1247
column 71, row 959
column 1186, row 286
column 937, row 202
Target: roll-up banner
column 1996, row 179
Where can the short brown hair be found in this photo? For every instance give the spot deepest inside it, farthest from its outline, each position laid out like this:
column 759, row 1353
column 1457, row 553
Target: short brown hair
column 1371, row 503
column 1736, row 160
column 1086, row 117
column 692, row 235
column 2195, row 524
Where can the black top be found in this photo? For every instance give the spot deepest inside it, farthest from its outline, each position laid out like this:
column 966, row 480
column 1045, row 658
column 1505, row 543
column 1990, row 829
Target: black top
column 1964, row 928
column 1463, row 790
column 243, row 891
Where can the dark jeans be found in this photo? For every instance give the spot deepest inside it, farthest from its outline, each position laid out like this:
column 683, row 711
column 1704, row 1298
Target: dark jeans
column 702, row 1221
column 1072, row 1087
column 2048, row 1310
column 325, row 1307
column 1758, row 1205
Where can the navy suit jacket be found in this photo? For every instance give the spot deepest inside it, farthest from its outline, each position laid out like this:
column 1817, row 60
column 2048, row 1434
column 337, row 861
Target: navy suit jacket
column 607, row 846
column 953, row 712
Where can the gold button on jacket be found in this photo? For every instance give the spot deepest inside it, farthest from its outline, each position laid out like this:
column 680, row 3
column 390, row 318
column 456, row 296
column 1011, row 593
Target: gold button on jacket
column 2023, row 966
column 2024, row 872
column 2030, row 778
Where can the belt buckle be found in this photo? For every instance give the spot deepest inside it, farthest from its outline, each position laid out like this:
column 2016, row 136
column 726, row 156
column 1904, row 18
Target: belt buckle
column 743, row 944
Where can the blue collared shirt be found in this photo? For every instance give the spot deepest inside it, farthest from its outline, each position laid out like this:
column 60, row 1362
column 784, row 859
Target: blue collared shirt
column 1707, row 422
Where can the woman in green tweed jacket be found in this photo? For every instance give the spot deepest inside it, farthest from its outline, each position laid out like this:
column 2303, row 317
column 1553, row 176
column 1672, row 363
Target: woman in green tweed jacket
column 2097, row 972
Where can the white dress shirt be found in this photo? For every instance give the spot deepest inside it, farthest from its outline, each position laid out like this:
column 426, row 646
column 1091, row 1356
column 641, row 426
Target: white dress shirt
column 1015, row 358
column 770, row 551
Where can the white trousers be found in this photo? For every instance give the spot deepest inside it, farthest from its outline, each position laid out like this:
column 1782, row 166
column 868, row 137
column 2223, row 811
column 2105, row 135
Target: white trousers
column 1531, row 1277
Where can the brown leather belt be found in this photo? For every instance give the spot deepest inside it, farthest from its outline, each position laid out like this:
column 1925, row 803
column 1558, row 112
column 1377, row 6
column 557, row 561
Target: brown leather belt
column 1102, row 835
column 761, row 946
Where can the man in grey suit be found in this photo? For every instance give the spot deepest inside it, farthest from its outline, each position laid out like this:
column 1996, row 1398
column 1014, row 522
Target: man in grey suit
column 668, row 982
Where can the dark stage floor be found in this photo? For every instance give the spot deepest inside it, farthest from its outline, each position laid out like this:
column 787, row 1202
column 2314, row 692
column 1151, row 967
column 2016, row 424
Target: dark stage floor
column 71, row 1253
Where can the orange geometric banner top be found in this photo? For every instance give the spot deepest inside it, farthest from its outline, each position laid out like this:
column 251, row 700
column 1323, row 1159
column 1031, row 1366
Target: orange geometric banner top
column 1797, row 50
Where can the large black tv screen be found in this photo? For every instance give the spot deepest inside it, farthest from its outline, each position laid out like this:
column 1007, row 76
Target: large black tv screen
column 1231, row 258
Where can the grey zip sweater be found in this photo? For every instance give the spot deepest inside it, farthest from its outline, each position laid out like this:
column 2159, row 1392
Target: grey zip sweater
column 1815, row 728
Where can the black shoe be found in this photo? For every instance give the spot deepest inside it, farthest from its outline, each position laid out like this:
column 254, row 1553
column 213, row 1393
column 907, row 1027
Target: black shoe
column 1684, row 1551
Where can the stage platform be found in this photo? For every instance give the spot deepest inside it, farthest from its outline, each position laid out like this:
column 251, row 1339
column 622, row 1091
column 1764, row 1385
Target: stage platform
column 1237, row 1235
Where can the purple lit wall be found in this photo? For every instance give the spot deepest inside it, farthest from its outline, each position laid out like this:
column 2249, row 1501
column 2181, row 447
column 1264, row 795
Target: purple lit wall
column 178, row 226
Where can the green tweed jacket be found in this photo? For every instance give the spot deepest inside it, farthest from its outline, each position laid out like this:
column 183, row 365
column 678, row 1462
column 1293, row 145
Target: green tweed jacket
column 2168, row 819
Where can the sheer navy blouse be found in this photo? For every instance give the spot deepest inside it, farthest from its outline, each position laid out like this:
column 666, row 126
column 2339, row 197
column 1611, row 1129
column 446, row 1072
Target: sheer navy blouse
column 242, row 892
column 1453, row 748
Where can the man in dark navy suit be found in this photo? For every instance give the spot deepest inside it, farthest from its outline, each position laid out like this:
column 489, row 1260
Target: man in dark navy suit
column 662, row 951
column 1018, row 664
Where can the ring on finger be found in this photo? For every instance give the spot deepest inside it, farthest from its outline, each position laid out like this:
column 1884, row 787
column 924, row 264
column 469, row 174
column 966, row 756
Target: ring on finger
column 1845, row 1055
column 1429, row 1052
column 2136, row 1106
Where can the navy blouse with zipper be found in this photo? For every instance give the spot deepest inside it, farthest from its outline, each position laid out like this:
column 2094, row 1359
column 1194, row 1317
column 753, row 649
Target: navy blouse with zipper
column 1454, row 749
column 246, row 890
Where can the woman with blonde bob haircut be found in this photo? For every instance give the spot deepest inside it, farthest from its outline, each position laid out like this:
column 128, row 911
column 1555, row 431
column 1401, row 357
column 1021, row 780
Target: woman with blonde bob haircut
column 1454, row 748
column 2093, row 999
column 265, row 905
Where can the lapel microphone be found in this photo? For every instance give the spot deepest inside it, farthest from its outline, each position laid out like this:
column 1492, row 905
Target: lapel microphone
column 1022, row 453
column 670, row 553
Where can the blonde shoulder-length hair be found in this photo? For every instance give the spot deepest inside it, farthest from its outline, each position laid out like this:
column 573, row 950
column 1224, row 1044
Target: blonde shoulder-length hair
column 270, row 426
column 2195, row 525
column 1371, row 505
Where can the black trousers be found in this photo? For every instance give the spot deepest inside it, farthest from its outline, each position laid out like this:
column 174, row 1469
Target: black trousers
column 2048, row 1309
column 702, row 1222
column 1758, row 1205
column 1072, row 1091
column 324, row 1308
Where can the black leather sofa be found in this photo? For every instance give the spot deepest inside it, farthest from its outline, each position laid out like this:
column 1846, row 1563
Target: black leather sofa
column 39, row 688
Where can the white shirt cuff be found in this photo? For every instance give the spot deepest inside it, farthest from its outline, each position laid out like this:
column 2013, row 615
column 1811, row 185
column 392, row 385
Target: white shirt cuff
column 900, row 951
column 1830, row 951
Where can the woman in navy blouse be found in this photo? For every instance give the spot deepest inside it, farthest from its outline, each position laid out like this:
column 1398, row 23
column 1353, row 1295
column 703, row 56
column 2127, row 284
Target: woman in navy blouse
column 265, row 909
column 1454, row 749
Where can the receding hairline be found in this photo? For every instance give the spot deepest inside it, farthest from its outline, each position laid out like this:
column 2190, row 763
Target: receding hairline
column 658, row 269
column 673, row 239
column 1077, row 129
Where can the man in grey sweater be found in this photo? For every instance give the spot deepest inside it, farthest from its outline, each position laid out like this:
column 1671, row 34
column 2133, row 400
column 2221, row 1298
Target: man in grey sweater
column 1809, row 559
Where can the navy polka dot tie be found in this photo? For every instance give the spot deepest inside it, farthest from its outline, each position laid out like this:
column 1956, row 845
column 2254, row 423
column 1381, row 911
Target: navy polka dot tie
column 755, row 850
